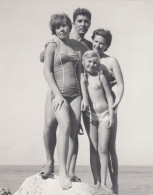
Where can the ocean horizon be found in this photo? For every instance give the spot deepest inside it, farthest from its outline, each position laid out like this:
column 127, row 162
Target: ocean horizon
column 133, row 180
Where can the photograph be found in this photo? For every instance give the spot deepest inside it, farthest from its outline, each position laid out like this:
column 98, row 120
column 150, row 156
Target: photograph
column 76, row 97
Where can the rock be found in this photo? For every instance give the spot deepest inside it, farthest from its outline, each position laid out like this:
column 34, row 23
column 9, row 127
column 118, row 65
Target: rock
column 4, row 191
column 35, row 185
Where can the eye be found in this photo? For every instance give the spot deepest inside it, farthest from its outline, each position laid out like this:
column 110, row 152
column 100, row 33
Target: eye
column 86, row 21
column 63, row 25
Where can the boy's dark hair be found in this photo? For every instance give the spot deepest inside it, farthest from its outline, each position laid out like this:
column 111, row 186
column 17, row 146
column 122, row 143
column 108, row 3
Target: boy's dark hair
column 81, row 11
column 106, row 34
column 57, row 19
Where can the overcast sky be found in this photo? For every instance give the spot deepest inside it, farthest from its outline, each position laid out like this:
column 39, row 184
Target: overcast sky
column 23, row 31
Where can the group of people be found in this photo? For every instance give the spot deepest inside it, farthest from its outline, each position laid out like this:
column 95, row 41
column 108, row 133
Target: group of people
column 80, row 77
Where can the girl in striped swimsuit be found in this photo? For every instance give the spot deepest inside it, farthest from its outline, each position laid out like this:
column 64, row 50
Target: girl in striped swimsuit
column 62, row 71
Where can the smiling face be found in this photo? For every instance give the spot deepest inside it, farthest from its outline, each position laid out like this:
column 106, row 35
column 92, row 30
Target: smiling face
column 99, row 44
column 91, row 65
column 62, row 31
column 82, row 24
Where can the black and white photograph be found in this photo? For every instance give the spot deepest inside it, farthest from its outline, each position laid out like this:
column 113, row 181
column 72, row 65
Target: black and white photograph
column 76, row 97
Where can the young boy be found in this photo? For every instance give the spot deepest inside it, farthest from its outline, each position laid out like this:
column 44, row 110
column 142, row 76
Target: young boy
column 100, row 116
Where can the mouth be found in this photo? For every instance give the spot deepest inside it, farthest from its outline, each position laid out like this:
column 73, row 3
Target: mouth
column 97, row 49
column 90, row 68
column 82, row 29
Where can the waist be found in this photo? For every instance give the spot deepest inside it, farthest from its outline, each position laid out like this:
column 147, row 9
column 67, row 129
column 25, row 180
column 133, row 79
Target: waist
column 98, row 107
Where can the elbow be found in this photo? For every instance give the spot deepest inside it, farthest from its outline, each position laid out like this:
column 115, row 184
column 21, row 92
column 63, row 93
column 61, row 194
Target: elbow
column 46, row 73
column 121, row 87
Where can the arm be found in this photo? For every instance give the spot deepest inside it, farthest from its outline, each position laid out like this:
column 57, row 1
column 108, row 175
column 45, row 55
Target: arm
column 120, row 83
column 48, row 74
column 42, row 56
column 85, row 101
column 109, row 98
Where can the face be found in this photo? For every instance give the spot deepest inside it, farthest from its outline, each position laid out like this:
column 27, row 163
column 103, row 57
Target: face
column 91, row 65
column 63, row 31
column 99, row 44
column 81, row 24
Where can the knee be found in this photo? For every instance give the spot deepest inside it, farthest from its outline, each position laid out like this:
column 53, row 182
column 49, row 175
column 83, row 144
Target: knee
column 73, row 135
column 94, row 147
column 111, row 148
column 50, row 127
column 50, row 123
column 103, row 150
column 64, row 128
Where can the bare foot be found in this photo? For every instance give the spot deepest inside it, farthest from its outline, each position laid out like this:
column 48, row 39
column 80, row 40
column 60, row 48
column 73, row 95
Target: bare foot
column 74, row 178
column 98, row 184
column 65, row 183
column 115, row 190
column 105, row 188
column 47, row 171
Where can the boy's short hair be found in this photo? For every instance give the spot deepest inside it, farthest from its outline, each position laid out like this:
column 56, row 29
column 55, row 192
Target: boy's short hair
column 57, row 19
column 106, row 34
column 90, row 54
column 81, row 11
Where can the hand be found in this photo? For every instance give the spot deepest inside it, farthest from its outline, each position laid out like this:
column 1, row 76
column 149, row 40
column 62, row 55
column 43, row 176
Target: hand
column 112, row 83
column 58, row 102
column 84, row 104
column 80, row 130
column 110, row 121
column 115, row 105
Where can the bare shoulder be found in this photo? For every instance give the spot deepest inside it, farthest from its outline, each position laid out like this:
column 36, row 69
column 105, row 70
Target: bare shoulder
column 103, row 78
column 50, row 47
column 112, row 59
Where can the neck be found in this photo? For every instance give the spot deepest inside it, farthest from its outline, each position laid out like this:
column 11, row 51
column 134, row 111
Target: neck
column 66, row 41
column 93, row 74
column 78, row 37
column 102, row 55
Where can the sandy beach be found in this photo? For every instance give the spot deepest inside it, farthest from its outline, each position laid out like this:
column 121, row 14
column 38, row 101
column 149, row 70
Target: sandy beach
column 133, row 180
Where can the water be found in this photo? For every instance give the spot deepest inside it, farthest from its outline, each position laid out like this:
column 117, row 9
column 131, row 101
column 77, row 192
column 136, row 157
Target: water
column 133, row 180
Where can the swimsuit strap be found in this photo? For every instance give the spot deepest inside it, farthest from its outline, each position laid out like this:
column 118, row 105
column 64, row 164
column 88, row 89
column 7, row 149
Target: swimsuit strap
column 58, row 53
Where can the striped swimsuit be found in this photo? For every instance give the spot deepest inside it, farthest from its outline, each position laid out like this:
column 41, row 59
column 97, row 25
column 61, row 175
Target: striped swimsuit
column 64, row 71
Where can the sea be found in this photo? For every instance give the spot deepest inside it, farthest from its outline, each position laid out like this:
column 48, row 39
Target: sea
column 133, row 180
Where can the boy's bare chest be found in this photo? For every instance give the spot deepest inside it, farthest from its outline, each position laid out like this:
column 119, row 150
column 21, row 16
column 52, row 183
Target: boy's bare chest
column 94, row 86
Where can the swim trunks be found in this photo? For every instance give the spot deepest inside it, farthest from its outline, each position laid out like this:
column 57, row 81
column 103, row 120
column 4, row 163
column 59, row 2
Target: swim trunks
column 102, row 117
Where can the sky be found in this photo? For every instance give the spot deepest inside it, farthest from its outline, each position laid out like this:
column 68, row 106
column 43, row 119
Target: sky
column 24, row 28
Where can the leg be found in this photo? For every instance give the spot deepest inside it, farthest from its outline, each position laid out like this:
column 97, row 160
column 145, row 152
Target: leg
column 103, row 136
column 49, row 136
column 74, row 158
column 113, row 160
column 75, row 114
column 92, row 133
column 64, row 125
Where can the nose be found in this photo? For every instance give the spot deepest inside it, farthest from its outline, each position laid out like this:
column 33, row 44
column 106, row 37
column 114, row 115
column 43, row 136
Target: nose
column 62, row 28
column 97, row 44
column 91, row 64
column 82, row 23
